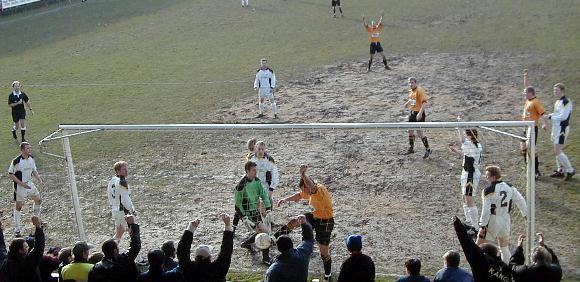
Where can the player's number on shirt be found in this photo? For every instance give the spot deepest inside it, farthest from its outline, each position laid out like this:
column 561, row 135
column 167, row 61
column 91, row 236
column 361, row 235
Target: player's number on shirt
column 504, row 195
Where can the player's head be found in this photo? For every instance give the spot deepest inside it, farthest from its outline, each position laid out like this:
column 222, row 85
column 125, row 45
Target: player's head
column 559, row 90
column 25, row 148
column 250, row 168
column 489, row 249
column 529, row 92
column 16, row 85
column 263, row 63
column 413, row 266
column 168, row 249
column 155, row 259
column 120, row 168
column 492, row 173
column 110, row 248
column 284, row 243
column 412, row 82
column 260, row 148
column 471, row 134
column 251, row 144
column 18, row 246
column 541, row 256
column 451, row 259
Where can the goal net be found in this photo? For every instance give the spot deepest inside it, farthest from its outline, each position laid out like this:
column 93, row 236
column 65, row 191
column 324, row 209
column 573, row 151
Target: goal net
column 401, row 204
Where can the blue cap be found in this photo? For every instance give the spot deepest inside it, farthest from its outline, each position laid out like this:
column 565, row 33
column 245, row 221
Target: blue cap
column 354, row 243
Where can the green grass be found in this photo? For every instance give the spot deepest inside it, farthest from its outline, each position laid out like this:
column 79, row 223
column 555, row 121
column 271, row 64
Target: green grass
column 61, row 51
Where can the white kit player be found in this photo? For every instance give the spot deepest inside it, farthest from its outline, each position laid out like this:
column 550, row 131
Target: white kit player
column 560, row 119
column 119, row 195
column 265, row 85
column 21, row 171
column 495, row 221
column 267, row 168
column 471, row 150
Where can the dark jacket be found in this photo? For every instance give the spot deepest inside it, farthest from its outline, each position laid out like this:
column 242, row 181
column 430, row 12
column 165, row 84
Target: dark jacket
column 169, row 264
column 121, row 268
column 358, row 267
column 24, row 268
column 156, row 275
column 292, row 265
column 533, row 273
column 205, row 270
column 483, row 266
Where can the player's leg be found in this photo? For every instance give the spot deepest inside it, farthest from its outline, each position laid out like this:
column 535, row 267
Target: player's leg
column 339, row 7
column 334, row 8
column 326, row 260
column 23, row 128
column 272, row 100
column 243, row 3
column 17, row 216
column 372, row 53
column 380, row 51
column 14, row 130
column 260, row 103
column 36, row 207
column 323, row 230
column 469, row 188
column 504, row 248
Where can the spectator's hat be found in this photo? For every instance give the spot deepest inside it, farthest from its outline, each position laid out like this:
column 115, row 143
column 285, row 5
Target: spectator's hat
column 81, row 247
column 354, row 243
column 203, row 251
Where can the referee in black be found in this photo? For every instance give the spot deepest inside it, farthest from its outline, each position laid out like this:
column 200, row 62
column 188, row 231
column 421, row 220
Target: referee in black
column 16, row 101
column 336, row 3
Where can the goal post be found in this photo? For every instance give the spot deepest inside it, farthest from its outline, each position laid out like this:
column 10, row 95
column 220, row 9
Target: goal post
column 67, row 131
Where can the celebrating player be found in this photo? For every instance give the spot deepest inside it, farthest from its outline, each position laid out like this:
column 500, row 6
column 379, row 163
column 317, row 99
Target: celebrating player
column 374, row 31
column 495, row 221
column 16, row 101
column 321, row 219
column 119, row 197
column 21, row 171
column 533, row 110
column 265, row 85
column 560, row 119
column 247, row 195
column 417, row 103
column 471, row 149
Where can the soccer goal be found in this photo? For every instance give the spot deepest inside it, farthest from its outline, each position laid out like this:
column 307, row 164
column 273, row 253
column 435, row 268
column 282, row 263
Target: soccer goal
column 377, row 190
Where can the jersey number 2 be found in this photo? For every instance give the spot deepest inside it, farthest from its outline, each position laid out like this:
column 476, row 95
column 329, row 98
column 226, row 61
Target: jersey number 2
column 504, row 195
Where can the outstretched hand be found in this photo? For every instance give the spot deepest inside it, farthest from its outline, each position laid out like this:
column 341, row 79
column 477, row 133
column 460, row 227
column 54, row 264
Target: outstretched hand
column 226, row 218
column 521, row 240
column 541, row 238
column 36, row 221
column 303, row 169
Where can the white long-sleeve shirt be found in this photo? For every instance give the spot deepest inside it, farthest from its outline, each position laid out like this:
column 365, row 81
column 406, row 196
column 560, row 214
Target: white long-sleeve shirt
column 562, row 112
column 265, row 79
column 119, row 195
column 497, row 200
column 267, row 171
column 471, row 155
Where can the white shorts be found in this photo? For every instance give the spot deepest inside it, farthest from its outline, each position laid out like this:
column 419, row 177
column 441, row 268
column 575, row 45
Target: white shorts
column 119, row 219
column 265, row 93
column 498, row 227
column 474, row 179
column 22, row 194
column 559, row 135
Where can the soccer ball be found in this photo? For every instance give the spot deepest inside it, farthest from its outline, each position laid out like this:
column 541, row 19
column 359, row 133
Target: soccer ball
column 263, row 241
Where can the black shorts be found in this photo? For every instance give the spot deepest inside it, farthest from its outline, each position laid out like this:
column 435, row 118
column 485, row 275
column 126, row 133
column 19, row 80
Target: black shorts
column 335, row 3
column 413, row 117
column 376, row 47
column 18, row 115
column 322, row 227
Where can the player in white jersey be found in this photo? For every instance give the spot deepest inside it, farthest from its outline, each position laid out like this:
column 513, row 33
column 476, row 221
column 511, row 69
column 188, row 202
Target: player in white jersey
column 265, row 85
column 471, row 150
column 21, row 171
column 119, row 195
column 560, row 119
column 267, row 168
column 495, row 221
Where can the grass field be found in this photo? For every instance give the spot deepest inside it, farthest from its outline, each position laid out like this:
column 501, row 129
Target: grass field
column 176, row 61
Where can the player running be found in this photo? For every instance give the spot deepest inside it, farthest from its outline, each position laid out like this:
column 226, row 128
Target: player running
column 560, row 119
column 471, row 150
column 321, row 219
column 495, row 221
column 374, row 31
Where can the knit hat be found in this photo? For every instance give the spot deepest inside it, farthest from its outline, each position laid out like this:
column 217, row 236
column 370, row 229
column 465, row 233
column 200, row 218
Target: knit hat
column 354, row 243
column 284, row 243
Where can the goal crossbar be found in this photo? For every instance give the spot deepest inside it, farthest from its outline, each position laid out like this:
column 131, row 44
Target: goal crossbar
column 71, row 130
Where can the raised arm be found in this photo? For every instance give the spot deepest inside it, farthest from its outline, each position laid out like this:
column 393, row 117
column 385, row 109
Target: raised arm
column 225, row 256
column 135, row 237
column 35, row 256
column 473, row 253
column 3, row 252
column 184, row 245
column 307, row 180
column 364, row 21
column 526, row 81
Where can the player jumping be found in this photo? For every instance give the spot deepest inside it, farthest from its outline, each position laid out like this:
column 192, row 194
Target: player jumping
column 374, row 31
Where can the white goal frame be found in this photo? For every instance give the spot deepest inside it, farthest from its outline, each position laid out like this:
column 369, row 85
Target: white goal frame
column 66, row 131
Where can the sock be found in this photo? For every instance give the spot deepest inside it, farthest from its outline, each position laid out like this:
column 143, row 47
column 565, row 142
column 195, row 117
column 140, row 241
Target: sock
column 467, row 215
column 334, row 10
column 274, row 108
column 266, row 254
column 23, row 132
column 537, row 165
column 385, row 62
column 236, row 220
column 370, row 63
column 558, row 164
column 565, row 162
column 425, row 142
column 14, row 132
column 261, row 107
column 36, row 209
column 340, row 9
column 505, row 254
column 474, row 215
column 327, row 265
column 412, row 141
column 17, row 215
